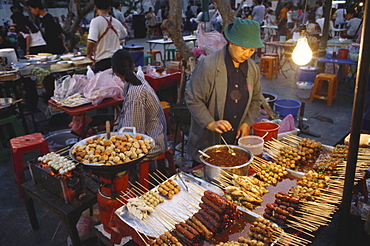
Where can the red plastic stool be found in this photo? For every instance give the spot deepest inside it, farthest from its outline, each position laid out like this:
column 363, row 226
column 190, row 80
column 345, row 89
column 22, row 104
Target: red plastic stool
column 144, row 167
column 20, row 146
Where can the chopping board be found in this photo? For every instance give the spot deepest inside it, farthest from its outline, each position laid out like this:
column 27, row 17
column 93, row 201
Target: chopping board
column 82, row 63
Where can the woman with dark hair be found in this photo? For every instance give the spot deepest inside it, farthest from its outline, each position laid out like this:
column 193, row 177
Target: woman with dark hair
column 35, row 43
column 283, row 29
column 141, row 107
column 52, row 32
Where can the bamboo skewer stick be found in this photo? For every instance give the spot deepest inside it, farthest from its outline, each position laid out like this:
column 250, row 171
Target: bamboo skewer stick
column 154, row 179
column 160, row 178
column 138, row 233
column 162, row 174
column 300, row 230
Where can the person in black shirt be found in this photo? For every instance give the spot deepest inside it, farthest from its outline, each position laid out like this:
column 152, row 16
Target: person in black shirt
column 52, row 32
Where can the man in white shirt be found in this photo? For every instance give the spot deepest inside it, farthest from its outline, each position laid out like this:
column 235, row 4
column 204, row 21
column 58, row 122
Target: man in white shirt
column 117, row 12
column 258, row 12
column 353, row 23
column 105, row 36
column 321, row 21
column 319, row 10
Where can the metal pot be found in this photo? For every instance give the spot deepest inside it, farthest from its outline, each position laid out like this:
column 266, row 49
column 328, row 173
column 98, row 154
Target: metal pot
column 213, row 173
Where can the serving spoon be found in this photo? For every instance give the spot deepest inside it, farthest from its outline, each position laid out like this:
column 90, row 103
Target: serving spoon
column 231, row 151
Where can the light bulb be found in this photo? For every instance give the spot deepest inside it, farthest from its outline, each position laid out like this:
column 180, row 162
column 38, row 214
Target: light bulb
column 302, row 53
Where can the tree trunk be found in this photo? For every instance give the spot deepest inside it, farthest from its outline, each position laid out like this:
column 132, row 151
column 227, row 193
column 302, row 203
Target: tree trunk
column 71, row 33
column 225, row 11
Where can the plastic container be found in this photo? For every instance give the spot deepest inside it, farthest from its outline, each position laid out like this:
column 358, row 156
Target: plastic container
column 270, row 98
column 266, row 130
column 287, row 106
column 137, row 53
column 304, row 89
column 252, row 143
column 308, row 73
column 343, row 53
column 164, row 82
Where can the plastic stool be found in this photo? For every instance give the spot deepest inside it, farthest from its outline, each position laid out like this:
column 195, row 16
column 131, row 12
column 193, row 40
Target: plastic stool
column 269, row 66
column 317, row 91
column 21, row 145
column 17, row 129
column 148, row 59
column 144, row 167
column 169, row 54
column 155, row 53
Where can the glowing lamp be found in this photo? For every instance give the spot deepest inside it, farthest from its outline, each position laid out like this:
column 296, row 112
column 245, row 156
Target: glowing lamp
column 302, row 53
column 361, row 4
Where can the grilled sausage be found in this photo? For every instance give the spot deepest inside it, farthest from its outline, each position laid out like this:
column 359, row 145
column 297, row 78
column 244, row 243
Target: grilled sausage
column 207, row 233
column 205, row 222
column 192, row 224
column 216, row 199
column 209, row 218
column 189, row 228
column 184, row 232
column 210, row 211
column 215, row 207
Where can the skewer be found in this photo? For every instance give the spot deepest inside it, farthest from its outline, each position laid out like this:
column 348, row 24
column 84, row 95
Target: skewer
column 137, row 189
column 300, row 230
column 63, row 150
column 138, row 233
column 150, row 182
column 150, row 229
column 154, row 179
column 160, row 178
column 162, row 174
column 142, row 186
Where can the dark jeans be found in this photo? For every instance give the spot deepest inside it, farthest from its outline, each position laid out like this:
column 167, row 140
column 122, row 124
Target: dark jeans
column 38, row 49
column 103, row 65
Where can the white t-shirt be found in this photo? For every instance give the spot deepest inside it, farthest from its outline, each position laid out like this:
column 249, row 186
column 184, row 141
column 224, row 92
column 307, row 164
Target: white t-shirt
column 353, row 24
column 36, row 38
column 110, row 43
column 319, row 12
column 340, row 16
column 119, row 15
column 321, row 21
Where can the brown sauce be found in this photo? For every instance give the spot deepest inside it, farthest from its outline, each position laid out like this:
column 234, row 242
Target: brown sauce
column 222, row 158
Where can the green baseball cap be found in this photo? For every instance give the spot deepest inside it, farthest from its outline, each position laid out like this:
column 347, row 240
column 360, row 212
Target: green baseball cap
column 245, row 33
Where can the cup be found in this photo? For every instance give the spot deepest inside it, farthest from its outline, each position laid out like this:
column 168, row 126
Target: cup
column 282, row 39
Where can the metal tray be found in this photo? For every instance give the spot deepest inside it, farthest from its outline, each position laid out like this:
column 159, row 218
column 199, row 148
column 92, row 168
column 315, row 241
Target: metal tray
column 112, row 168
column 174, row 206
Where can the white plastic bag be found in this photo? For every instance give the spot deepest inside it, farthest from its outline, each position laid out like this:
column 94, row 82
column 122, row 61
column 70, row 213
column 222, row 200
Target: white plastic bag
column 90, row 73
column 140, row 72
column 103, row 85
column 210, row 41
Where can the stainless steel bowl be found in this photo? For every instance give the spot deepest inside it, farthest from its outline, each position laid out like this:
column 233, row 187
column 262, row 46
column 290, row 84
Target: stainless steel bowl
column 213, row 173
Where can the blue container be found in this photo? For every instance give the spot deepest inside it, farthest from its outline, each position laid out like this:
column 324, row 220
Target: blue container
column 137, row 53
column 283, row 107
column 308, row 73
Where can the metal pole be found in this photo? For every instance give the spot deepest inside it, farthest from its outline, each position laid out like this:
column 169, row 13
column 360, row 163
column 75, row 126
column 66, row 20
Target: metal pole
column 357, row 114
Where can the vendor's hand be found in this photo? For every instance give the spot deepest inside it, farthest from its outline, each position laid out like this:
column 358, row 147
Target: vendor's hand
column 91, row 56
column 219, row 126
column 244, row 130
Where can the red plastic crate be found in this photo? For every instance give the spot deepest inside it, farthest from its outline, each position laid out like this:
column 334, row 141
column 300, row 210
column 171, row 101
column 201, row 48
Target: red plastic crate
column 164, row 82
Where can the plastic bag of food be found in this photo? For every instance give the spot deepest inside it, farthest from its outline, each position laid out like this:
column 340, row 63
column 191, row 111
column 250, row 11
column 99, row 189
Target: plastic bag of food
column 103, row 85
column 61, row 87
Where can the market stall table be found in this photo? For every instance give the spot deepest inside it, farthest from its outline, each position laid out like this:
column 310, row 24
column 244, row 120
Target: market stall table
column 154, row 42
column 69, row 213
column 284, row 54
column 342, row 63
column 83, row 109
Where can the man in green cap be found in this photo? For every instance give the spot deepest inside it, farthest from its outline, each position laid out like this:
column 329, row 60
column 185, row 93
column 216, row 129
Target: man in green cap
column 224, row 92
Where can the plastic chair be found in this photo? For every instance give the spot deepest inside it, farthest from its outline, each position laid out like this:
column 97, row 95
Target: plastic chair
column 161, row 160
column 155, row 53
column 170, row 54
column 148, row 59
column 20, row 146
column 328, row 95
column 269, row 66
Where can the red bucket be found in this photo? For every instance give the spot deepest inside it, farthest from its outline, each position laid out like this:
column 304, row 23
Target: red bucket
column 343, row 53
column 267, row 130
